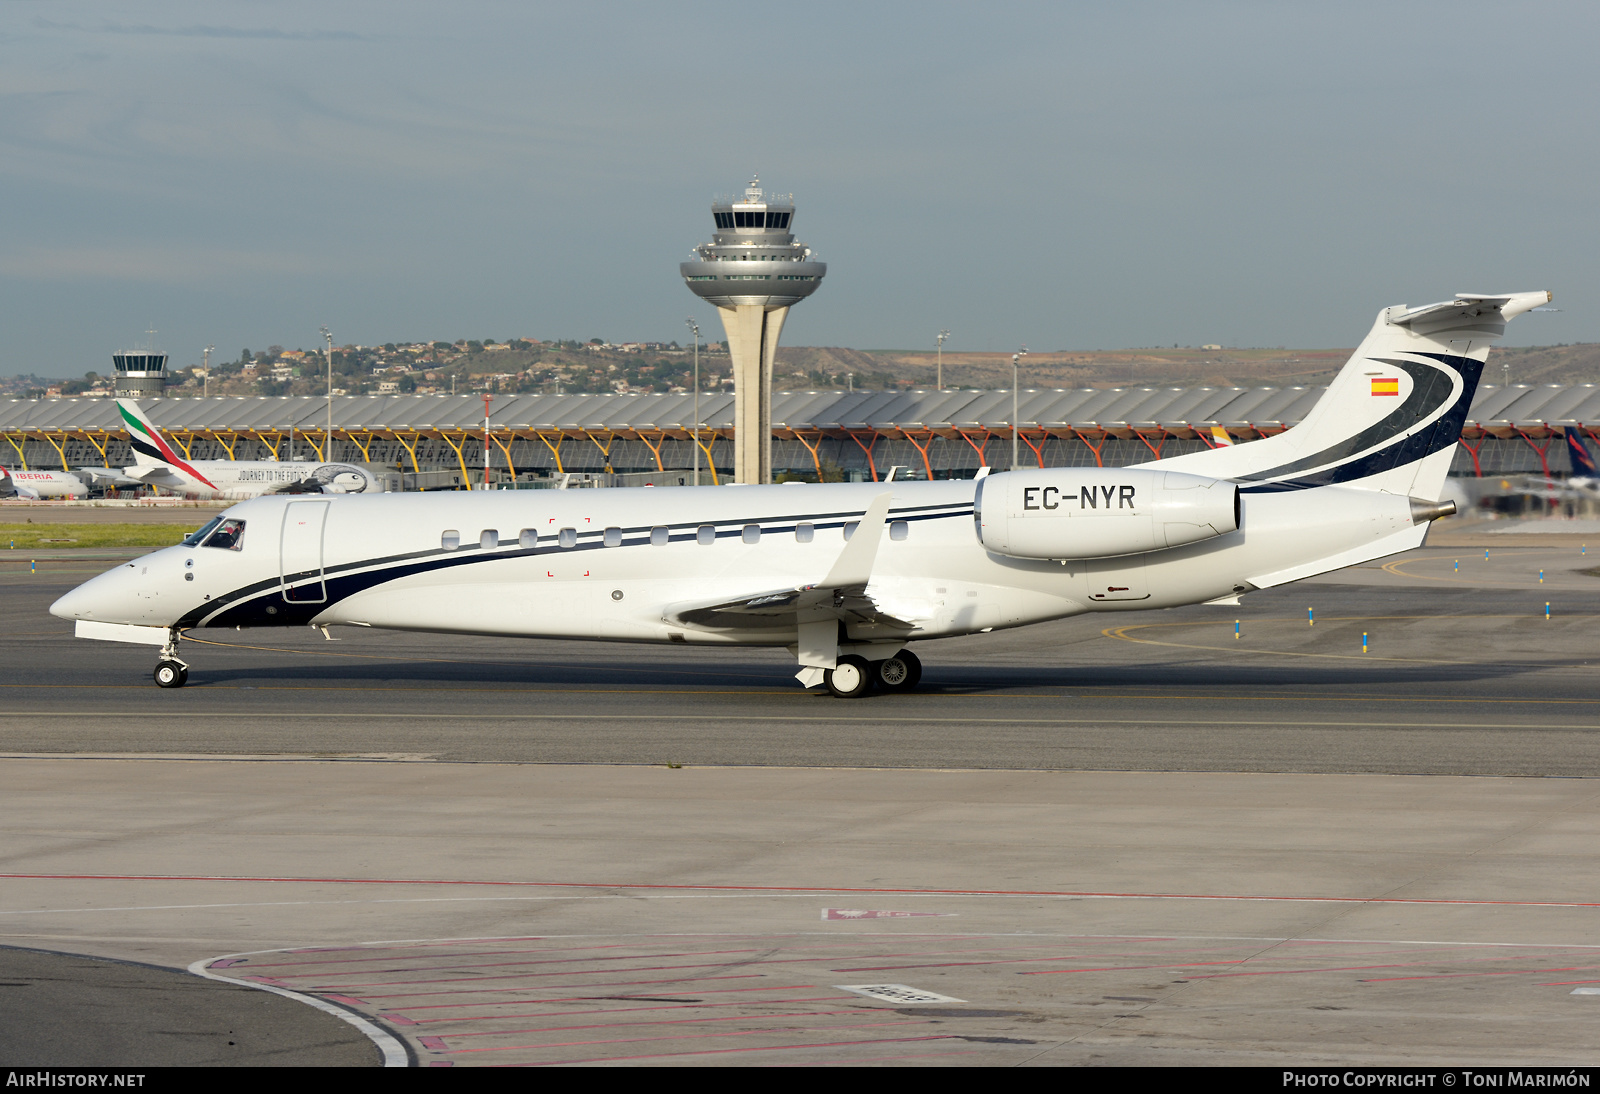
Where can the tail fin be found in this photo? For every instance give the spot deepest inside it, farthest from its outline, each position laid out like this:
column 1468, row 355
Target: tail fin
column 1391, row 418
column 1583, row 466
column 150, row 448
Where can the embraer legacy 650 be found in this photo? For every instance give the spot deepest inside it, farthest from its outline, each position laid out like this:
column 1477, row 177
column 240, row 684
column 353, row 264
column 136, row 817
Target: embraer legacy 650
column 845, row 575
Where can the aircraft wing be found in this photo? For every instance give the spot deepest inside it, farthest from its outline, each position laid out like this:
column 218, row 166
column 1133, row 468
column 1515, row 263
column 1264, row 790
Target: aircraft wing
column 158, row 475
column 852, row 603
column 109, row 476
column 842, row 594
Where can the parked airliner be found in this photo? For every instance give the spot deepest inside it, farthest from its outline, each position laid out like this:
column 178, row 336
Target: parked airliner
column 846, row 575
column 157, row 463
column 34, row 485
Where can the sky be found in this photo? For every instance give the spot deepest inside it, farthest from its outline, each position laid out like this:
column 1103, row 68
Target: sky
column 1061, row 175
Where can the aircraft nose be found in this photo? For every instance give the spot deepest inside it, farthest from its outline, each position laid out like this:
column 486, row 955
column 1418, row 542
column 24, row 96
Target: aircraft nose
column 109, row 598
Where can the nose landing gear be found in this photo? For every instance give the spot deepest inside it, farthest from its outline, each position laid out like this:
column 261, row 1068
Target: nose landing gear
column 171, row 672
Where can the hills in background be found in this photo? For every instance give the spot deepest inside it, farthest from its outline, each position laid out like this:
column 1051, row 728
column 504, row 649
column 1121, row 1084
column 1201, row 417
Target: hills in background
column 1177, row 367
column 548, row 367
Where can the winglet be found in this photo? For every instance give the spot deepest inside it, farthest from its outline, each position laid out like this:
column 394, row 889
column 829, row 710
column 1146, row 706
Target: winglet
column 854, row 564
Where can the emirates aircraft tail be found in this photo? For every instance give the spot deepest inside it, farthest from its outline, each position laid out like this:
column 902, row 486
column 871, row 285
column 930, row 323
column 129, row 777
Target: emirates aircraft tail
column 152, row 453
column 1391, row 418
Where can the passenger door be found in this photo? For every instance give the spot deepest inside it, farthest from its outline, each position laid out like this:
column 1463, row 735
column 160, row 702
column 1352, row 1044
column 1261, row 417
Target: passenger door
column 300, row 552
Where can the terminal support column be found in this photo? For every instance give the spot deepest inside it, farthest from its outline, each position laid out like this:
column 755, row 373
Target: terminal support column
column 752, row 344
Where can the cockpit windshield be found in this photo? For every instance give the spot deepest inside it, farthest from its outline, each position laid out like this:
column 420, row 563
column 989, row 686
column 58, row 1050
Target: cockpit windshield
column 193, row 539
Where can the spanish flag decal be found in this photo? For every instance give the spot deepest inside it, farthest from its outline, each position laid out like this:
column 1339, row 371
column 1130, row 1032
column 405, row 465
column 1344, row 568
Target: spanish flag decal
column 1386, row 385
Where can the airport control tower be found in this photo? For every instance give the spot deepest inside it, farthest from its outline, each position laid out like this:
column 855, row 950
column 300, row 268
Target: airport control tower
column 753, row 271
column 139, row 373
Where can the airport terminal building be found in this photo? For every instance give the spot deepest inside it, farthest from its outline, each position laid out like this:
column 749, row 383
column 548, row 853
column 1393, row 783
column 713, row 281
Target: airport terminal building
column 1513, row 429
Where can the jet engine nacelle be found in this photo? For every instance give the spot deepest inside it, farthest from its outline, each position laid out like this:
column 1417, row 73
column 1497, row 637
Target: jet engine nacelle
column 1100, row 512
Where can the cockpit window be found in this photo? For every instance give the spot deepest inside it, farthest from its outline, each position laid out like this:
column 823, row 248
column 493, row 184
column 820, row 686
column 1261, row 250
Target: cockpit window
column 194, row 539
column 230, row 535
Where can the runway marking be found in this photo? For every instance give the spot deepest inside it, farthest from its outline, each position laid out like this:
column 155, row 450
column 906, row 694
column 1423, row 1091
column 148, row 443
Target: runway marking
column 1087, row 691
column 1395, row 567
column 808, row 890
column 1120, row 633
column 819, row 719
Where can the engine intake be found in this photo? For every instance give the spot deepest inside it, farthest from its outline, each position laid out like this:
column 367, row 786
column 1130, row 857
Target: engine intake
column 1100, row 512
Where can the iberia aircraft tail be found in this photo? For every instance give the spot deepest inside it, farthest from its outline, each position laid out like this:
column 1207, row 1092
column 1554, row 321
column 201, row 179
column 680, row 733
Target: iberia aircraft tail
column 150, row 449
column 1391, row 418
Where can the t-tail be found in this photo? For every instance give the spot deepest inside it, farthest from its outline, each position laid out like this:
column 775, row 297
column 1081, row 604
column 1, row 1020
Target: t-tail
column 1391, row 418
column 150, row 448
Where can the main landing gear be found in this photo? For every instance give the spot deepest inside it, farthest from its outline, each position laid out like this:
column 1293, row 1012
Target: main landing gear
column 171, row 672
column 854, row 676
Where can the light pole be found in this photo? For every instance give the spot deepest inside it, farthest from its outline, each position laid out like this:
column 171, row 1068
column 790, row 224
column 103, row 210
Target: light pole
column 327, row 440
column 486, row 398
column 939, row 380
column 1016, row 425
column 695, row 327
column 205, row 372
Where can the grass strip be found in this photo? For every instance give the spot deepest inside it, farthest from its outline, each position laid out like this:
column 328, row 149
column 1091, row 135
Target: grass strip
column 30, row 537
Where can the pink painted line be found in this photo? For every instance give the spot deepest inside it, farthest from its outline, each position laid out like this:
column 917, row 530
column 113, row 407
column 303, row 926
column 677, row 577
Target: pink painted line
column 725, row 1051
column 1456, row 975
column 647, row 1040
column 348, row 1000
column 656, row 887
column 526, row 975
column 510, row 964
column 317, row 980
column 386, row 956
column 1130, row 968
column 1026, row 960
column 835, row 997
column 855, row 1060
column 590, row 986
column 587, row 998
column 433, row 1043
column 763, row 1017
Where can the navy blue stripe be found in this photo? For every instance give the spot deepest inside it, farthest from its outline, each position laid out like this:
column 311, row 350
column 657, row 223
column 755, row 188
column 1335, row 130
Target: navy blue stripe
column 247, row 607
column 1442, row 434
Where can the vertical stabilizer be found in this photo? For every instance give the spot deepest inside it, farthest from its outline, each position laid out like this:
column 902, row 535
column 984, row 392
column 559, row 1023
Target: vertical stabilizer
column 1391, row 418
column 150, row 448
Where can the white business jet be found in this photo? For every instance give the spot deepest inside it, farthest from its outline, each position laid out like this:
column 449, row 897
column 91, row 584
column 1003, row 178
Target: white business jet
column 157, row 463
column 846, row 575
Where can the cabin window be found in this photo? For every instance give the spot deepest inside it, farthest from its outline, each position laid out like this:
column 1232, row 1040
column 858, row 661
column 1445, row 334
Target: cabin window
column 899, row 529
column 488, row 539
column 705, row 535
column 659, row 537
column 752, row 533
column 229, row 535
column 568, row 537
column 804, row 532
column 528, row 538
column 450, row 540
column 612, row 537
column 850, row 528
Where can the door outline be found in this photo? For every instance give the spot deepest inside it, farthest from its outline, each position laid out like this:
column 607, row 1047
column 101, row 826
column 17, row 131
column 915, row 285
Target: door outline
column 303, row 522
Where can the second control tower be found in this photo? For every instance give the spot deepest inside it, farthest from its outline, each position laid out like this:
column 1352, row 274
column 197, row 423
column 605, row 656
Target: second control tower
column 753, row 271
